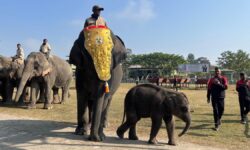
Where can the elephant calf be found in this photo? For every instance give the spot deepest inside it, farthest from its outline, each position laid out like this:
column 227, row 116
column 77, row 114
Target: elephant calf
column 147, row 100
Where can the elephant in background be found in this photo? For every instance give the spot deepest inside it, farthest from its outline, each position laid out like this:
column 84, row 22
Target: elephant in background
column 53, row 73
column 148, row 100
column 90, row 89
column 10, row 75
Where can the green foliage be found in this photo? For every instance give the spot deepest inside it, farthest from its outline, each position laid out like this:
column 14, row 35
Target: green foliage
column 191, row 58
column 201, row 60
column 165, row 62
column 238, row 61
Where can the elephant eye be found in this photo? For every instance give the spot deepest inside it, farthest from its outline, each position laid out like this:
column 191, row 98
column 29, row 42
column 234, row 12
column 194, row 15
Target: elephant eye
column 184, row 109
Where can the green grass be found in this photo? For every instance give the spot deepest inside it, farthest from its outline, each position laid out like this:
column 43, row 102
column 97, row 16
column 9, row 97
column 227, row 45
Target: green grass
column 232, row 134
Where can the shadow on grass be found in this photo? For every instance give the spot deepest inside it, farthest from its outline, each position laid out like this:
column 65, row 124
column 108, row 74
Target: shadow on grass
column 21, row 134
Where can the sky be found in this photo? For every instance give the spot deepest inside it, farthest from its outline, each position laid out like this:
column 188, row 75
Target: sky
column 205, row 28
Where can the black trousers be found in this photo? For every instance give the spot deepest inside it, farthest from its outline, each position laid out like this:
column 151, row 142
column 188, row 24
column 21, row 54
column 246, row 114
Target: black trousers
column 218, row 109
column 242, row 102
column 247, row 107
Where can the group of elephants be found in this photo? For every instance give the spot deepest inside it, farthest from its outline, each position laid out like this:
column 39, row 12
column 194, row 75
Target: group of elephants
column 45, row 75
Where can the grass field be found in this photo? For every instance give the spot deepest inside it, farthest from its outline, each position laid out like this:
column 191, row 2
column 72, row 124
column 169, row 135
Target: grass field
column 232, row 134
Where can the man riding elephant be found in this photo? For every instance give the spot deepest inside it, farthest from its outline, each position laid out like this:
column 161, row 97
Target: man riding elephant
column 95, row 18
column 97, row 54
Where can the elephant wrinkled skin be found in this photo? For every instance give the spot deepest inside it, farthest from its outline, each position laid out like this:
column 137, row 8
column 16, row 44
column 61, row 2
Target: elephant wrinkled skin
column 54, row 73
column 148, row 100
column 90, row 89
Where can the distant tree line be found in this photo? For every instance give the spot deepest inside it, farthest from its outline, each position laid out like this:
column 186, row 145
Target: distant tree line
column 238, row 61
column 166, row 63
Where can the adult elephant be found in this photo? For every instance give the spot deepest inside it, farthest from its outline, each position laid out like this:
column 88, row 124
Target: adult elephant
column 90, row 87
column 53, row 72
column 10, row 75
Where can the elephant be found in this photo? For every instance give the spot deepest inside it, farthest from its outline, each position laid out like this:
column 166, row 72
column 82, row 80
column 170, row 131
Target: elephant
column 53, row 73
column 148, row 100
column 90, row 88
column 10, row 75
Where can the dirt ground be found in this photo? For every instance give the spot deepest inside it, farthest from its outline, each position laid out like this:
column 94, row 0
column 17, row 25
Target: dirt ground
column 19, row 133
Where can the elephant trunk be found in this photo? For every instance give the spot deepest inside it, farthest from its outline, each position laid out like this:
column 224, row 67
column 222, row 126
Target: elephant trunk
column 21, row 86
column 188, row 123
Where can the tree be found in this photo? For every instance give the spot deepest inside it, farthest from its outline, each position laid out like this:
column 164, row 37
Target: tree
column 164, row 62
column 191, row 58
column 202, row 60
column 239, row 61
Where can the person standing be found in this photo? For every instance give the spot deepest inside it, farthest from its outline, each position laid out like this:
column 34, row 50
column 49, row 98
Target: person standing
column 45, row 48
column 95, row 19
column 242, row 87
column 216, row 93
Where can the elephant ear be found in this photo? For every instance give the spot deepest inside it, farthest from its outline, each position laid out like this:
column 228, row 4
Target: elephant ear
column 168, row 103
column 119, row 51
column 78, row 54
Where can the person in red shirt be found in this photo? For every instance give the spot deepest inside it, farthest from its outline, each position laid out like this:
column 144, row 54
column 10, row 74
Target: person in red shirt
column 216, row 92
column 242, row 87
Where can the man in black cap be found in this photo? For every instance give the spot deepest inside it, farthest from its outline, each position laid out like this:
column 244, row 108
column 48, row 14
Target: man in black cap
column 216, row 92
column 95, row 19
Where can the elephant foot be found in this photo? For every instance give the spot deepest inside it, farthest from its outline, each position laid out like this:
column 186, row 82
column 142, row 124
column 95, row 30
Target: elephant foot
column 80, row 131
column 102, row 136
column 153, row 141
column 120, row 133
column 133, row 137
column 171, row 143
column 31, row 106
column 63, row 102
column 48, row 106
column 94, row 138
column 56, row 100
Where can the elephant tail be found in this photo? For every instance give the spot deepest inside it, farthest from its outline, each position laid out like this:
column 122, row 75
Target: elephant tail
column 127, row 102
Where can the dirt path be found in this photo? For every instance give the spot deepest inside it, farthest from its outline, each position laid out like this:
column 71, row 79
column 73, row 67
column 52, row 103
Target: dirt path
column 26, row 133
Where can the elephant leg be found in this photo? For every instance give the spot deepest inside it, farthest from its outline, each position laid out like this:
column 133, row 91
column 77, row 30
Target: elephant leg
column 156, row 124
column 8, row 91
column 48, row 99
column 97, row 115
column 65, row 92
column 34, row 87
column 132, row 132
column 82, row 118
column 90, row 111
column 131, row 119
column 41, row 98
column 169, row 121
column 56, row 97
column 105, row 107
column 21, row 101
column 105, row 113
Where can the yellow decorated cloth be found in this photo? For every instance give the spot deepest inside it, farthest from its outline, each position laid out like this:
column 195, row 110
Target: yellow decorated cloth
column 99, row 45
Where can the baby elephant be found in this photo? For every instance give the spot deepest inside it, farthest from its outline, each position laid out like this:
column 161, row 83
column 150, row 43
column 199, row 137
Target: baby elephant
column 148, row 100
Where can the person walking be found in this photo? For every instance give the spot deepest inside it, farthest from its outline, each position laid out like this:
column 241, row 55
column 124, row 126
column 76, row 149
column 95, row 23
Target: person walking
column 242, row 87
column 216, row 93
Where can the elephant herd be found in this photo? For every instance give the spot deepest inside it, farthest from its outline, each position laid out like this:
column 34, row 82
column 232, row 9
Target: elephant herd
column 42, row 75
column 45, row 76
